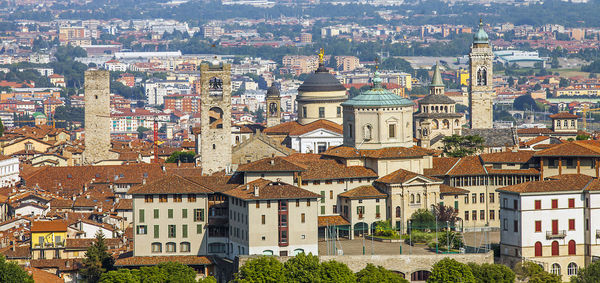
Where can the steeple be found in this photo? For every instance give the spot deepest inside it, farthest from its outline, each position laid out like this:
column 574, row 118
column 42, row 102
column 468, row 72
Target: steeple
column 481, row 37
column 437, row 84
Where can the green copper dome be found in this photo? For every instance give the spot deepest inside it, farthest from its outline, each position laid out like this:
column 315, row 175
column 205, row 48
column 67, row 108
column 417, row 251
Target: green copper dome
column 481, row 36
column 437, row 77
column 377, row 96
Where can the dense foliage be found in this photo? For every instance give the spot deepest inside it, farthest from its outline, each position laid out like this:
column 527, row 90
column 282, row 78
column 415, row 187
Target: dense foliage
column 10, row 272
column 97, row 260
column 533, row 273
column 589, row 274
column 182, row 156
column 170, row 272
column 450, row 270
column 461, row 146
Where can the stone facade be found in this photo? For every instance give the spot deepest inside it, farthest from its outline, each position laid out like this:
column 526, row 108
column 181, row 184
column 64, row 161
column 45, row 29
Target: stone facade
column 273, row 107
column 97, row 117
column 257, row 147
column 215, row 149
column 481, row 90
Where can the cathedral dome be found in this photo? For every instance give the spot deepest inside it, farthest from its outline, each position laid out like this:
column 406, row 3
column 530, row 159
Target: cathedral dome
column 321, row 80
column 481, row 36
column 273, row 91
column 377, row 96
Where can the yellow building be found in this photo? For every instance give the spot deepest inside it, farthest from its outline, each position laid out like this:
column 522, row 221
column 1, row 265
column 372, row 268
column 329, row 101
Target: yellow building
column 462, row 76
column 571, row 91
column 48, row 239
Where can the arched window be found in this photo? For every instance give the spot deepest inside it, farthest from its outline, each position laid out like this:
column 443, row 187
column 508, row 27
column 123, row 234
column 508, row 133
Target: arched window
column 184, row 247
column 367, row 132
column 482, row 76
column 446, row 124
column 435, row 124
column 572, row 247
column 156, row 247
column 555, row 269
column 538, row 249
column 432, row 109
column 215, row 116
column 171, row 247
column 555, row 248
column 446, row 109
column 267, row 252
column 298, row 251
column 456, row 123
column 398, row 211
column 572, row 269
column 418, row 198
column 412, row 198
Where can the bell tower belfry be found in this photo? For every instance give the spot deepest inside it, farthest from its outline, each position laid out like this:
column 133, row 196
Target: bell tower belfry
column 215, row 136
column 481, row 87
column 273, row 106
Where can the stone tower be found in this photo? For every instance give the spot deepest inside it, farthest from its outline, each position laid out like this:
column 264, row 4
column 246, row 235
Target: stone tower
column 481, row 88
column 215, row 136
column 273, row 106
column 97, row 116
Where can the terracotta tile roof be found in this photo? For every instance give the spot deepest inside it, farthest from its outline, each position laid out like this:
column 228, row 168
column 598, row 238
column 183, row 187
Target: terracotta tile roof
column 328, row 169
column 41, row 276
column 172, row 184
column 467, row 166
column 333, row 220
column 60, row 264
column 543, row 146
column 575, row 148
column 20, row 252
column 568, row 182
column 441, row 166
column 363, row 192
column 111, row 243
column 218, row 183
column 283, row 128
column 124, row 204
column 507, row 157
column 271, row 164
column 445, row 189
column 154, row 260
column 319, row 124
column 535, row 140
column 49, row 226
column 270, row 190
column 401, row 176
column 563, row 115
column 534, row 131
column 388, row 152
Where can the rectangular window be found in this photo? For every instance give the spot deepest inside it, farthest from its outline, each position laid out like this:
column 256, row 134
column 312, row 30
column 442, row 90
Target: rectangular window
column 141, row 230
column 538, row 204
column 466, row 199
column 199, row 229
column 492, row 196
column 302, row 217
column 538, row 226
column 298, row 203
column 334, row 208
column 516, row 224
column 322, row 209
column 466, row 216
column 492, row 215
column 198, row 214
column 141, row 215
column 156, row 232
column 156, row 214
column 377, row 213
column 184, row 213
column 571, row 203
column 321, row 112
column 268, row 204
column 172, row 231
column 571, row 224
column 163, row 198
column 392, row 130
column 170, row 213
column 505, row 224
column 322, row 196
column 516, row 204
column 148, row 198
column 330, row 194
column 184, row 231
column 307, row 202
column 554, row 204
column 177, row 198
column 304, row 112
column 360, row 210
column 339, row 111
column 482, row 198
column 258, row 204
column 473, row 198
column 263, row 219
column 474, row 214
column 482, row 214
column 191, row 198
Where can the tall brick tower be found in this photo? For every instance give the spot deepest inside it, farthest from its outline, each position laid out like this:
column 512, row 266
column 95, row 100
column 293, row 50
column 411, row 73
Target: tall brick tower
column 215, row 136
column 97, row 116
column 273, row 106
column 481, row 87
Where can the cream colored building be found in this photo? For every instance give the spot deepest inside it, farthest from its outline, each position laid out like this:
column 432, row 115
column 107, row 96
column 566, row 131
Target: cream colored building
column 481, row 89
column 320, row 96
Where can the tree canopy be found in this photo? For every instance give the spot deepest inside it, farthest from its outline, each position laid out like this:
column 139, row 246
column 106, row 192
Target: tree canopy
column 97, row 260
column 461, row 146
column 492, row 273
column 589, row 274
column 450, row 270
column 525, row 102
column 10, row 272
column 262, row 269
column 169, row 272
column 534, row 273
column 372, row 273
column 182, row 156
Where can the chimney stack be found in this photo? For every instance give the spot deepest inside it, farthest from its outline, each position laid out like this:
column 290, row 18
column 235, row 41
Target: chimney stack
column 256, row 191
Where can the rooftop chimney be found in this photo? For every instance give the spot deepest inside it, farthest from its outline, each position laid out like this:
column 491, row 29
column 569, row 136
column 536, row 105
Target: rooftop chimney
column 256, row 190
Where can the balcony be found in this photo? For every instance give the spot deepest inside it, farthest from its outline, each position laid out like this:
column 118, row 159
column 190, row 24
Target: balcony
column 560, row 234
column 378, row 215
column 360, row 216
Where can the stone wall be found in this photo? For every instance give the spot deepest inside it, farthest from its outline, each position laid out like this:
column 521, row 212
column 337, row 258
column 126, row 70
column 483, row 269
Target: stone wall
column 97, row 117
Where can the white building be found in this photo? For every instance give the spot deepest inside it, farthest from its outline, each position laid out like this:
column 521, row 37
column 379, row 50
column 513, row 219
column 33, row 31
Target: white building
column 156, row 90
column 316, row 137
column 553, row 223
column 9, row 171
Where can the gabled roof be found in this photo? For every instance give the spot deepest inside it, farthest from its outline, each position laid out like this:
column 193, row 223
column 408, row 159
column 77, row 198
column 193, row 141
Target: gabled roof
column 363, row 192
column 563, row 115
column 317, row 168
column 272, row 164
column 318, row 124
column 388, row 152
column 49, row 226
column 171, row 184
column 522, row 156
column 332, row 220
column 448, row 190
column 401, row 176
column 562, row 183
column 575, row 148
column 268, row 190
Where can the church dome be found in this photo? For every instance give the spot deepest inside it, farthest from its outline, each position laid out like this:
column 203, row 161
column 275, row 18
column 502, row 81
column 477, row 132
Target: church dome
column 273, row 91
column 377, row 96
column 480, row 36
column 321, row 80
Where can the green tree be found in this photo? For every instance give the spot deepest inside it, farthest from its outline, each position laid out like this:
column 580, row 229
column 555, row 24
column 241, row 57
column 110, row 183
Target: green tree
column 262, row 269
column 1, row 128
column 396, row 63
column 492, row 273
column 182, row 156
column 450, row 270
column 582, row 137
column 141, row 130
column 259, row 114
column 525, row 102
column 302, row 268
column 333, row 271
column 10, row 272
column 445, row 213
column 121, row 276
column 533, row 273
column 422, row 219
column 564, row 82
column 510, row 81
column 461, row 146
column 371, row 273
column 169, row 272
column 97, row 260
column 589, row 274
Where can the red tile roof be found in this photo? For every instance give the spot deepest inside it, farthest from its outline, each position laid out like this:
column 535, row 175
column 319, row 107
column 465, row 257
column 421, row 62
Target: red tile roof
column 507, row 157
column 49, row 226
column 270, row 190
column 273, row 164
column 448, row 190
column 575, row 148
column 333, row 220
column 363, row 192
column 389, row 152
column 564, row 115
column 401, row 176
column 172, row 184
column 319, row 124
column 328, row 169
column 568, row 182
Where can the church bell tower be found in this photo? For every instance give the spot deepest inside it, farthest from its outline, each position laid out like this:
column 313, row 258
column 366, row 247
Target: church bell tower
column 481, row 87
